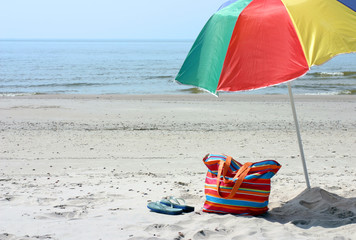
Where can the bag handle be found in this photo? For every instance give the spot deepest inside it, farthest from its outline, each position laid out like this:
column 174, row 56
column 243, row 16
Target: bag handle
column 224, row 166
column 240, row 176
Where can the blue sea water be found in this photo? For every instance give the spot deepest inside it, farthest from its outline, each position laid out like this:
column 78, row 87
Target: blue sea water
column 132, row 67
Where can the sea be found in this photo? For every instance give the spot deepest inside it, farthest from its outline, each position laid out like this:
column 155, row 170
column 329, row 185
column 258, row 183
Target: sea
column 29, row 67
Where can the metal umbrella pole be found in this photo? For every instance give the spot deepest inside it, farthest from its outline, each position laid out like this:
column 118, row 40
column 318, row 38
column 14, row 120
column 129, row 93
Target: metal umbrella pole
column 298, row 135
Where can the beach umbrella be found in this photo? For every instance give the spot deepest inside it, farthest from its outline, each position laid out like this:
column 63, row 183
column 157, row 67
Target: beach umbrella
column 252, row 44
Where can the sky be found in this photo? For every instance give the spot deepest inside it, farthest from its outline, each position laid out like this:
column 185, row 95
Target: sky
column 104, row 19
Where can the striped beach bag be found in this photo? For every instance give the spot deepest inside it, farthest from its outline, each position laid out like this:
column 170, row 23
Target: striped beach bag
column 235, row 188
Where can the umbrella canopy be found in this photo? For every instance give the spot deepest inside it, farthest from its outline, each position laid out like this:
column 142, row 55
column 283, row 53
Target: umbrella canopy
column 251, row 44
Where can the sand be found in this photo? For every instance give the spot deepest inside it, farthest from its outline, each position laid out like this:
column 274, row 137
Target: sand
column 85, row 167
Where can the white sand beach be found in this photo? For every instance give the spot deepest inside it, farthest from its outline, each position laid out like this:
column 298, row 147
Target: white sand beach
column 82, row 167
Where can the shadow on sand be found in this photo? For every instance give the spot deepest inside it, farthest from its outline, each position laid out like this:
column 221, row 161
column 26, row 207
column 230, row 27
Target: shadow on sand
column 315, row 207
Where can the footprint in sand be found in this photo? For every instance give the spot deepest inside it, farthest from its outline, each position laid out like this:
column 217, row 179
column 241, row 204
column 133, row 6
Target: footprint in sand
column 309, row 205
column 163, row 227
column 301, row 223
column 67, row 215
column 7, row 236
column 208, row 234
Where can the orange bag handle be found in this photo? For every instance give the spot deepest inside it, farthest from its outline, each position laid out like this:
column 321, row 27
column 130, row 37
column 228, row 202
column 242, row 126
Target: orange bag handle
column 240, row 176
column 223, row 168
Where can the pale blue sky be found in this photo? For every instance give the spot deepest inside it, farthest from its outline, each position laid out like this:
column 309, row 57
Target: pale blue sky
column 105, row 19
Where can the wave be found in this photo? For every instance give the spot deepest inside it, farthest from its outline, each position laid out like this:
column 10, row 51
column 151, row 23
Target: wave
column 333, row 74
column 82, row 84
column 16, row 94
column 160, row 77
column 348, row 92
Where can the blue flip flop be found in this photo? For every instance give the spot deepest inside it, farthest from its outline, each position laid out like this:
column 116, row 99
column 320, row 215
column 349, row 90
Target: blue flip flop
column 164, row 209
column 177, row 203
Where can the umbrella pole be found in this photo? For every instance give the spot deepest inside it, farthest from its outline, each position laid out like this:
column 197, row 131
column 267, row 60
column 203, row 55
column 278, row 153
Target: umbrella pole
column 298, row 135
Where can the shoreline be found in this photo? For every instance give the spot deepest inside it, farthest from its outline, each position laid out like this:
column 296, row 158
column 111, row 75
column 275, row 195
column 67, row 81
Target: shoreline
column 187, row 97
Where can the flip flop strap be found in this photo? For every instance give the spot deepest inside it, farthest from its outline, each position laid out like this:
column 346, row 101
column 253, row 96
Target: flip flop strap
column 176, row 200
column 162, row 206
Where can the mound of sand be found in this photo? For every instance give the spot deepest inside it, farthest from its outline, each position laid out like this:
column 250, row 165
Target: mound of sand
column 316, row 207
